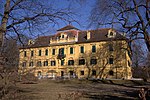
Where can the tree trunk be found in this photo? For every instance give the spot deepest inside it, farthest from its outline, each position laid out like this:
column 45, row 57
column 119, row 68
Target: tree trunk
column 3, row 30
column 4, row 22
column 148, row 44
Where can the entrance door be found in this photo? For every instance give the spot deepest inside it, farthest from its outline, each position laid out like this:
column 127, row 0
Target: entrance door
column 62, row 73
column 71, row 73
column 39, row 74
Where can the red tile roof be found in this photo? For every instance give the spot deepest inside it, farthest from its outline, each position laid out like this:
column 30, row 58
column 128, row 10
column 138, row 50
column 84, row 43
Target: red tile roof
column 42, row 41
column 96, row 36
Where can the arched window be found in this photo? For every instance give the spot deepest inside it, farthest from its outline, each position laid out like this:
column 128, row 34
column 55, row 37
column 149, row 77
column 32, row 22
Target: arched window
column 93, row 49
column 40, row 53
column 45, row 63
column 53, row 63
column 111, row 33
column 39, row 64
column 82, row 49
column 24, row 64
column 71, row 50
column 31, row 64
column 46, row 52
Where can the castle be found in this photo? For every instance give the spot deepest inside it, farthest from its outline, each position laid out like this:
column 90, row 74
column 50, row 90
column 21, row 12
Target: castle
column 100, row 53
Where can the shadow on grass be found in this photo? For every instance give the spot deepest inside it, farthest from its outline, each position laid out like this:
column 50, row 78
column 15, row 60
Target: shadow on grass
column 106, row 97
column 26, row 94
column 125, row 83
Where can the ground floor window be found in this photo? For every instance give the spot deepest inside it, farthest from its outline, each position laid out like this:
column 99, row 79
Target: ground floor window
column 93, row 72
column 71, row 73
column 81, row 72
column 70, row 62
column 93, row 61
column 111, row 72
column 62, row 73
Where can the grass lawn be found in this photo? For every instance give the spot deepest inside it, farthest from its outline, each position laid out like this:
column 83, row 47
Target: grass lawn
column 79, row 90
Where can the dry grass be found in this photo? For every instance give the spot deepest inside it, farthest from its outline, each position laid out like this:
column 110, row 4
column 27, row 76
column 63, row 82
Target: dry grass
column 77, row 90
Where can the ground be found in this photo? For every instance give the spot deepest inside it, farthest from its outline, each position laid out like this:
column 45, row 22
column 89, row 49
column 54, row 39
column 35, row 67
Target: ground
column 79, row 90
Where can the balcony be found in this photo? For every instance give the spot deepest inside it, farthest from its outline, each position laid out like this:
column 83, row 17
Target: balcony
column 64, row 40
column 61, row 56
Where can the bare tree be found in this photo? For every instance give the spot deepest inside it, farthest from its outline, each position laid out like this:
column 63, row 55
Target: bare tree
column 8, row 73
column 29, row 16
column 114, row 57
column 148, row 60
column 148, row 65
column 131, row 16
column 20, row 18
column 138, row 54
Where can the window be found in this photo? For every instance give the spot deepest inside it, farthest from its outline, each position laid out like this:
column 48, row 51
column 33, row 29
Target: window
column 71, row 50
column 93, row 61
column 24, row 64
column 129, row 63
column 111, row 33
column 81, row 61
column 111, row 60
column 39, row 73
column 62, row 36
column 46, row 52
column 45, row 63
column 53, row 63
column 62, row 62
column 61, row 51
column 71, row 73
column 111, row 72
column 39, row 63
column 81, row 49
column 93, row 72
column 32, row 53
column 93, row 48
column 40, row 52
column 111, row 47
column 81, row 72
column 25, row 53
column 70, row 62
column 31, row 64
column 53, row 51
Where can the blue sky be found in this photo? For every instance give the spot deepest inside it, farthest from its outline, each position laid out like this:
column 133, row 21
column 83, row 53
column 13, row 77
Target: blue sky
column 82, row 11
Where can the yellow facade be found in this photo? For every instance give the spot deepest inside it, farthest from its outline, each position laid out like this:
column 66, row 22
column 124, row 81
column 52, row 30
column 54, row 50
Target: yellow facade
column 95, row 60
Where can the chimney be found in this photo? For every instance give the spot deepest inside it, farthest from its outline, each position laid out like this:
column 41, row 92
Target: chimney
column 76, row 37
column 88, row 35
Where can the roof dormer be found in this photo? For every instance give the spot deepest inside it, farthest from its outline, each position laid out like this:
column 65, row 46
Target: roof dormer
column 30, row 42
column 111, row 33
column 63, row 36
